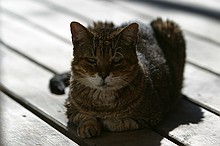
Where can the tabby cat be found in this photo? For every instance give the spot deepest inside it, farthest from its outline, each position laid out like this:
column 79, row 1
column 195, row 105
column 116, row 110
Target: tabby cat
column 122, row 78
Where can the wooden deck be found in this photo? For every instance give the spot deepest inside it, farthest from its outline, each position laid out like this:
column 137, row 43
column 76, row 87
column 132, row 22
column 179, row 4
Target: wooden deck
column 35, row 44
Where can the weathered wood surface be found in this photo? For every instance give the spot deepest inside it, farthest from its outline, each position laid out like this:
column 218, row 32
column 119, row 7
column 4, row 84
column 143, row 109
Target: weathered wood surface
column 203, row 88
column 48, row 23
column 192, row 125
column 40, row 34
column 189, row 21
column 40, row 45
column 20, row 127
column 213, row 5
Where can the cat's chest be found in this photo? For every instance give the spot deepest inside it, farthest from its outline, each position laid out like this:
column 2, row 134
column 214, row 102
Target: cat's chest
column 96, row 101
column 103, row 96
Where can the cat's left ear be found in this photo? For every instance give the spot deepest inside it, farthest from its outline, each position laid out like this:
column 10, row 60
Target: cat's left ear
column 130, row 33
column 78, row 31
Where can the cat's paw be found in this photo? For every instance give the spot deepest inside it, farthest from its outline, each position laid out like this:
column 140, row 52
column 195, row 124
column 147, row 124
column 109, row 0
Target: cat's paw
column 89, row 128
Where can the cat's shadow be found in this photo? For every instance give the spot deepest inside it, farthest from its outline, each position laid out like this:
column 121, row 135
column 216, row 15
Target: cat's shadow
column 180, row 119
column 185, row 113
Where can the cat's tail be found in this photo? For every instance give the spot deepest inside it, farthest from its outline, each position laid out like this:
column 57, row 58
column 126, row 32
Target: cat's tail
column 59, row 82
column 172, row 43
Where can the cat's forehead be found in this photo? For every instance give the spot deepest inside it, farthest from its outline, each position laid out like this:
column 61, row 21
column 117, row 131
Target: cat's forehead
column 105, row 33
column 103, row 40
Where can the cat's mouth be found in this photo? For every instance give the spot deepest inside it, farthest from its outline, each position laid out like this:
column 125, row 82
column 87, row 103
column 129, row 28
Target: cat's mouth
column 103, row 85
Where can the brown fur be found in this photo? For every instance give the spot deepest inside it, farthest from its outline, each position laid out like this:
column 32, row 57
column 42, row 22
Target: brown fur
column 114, row 88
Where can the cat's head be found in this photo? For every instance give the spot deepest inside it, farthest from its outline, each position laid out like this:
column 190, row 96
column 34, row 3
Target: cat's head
column 104, row 58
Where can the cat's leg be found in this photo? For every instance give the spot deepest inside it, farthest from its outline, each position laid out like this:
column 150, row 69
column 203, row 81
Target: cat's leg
column 116, row 124
column 88, row 126
column 59, row 82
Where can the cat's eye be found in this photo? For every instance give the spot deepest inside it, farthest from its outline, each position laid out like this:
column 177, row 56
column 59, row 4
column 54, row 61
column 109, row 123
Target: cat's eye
column 117, row 60
column 91, row 60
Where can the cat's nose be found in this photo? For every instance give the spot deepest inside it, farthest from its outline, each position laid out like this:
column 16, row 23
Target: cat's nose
column 103, row 75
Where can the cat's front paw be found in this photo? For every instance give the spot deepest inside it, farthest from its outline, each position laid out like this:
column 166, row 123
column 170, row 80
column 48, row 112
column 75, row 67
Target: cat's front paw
column 89, row 128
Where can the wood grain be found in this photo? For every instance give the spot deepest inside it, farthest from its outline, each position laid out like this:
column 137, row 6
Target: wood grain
column 193, row 44
column 36, row 13
column 202, row 88
column 192, row 125
column 189, row 21
column 41, row 47
column 203, row 54
column 20, row 127
column 212, row 4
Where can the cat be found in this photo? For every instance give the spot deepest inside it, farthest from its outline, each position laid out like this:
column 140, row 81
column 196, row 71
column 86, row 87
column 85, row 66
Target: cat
column 122, row 78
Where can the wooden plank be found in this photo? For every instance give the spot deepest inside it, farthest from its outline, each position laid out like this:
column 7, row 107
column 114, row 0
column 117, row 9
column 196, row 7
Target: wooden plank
column 193, row 7
column 202, row 88
column 192, row 125
column 190, row 22
column 33, row 43
column 38, row 13
column 31, row 83
column 203, row 54
column 213, row 5
column 99, row 10
column 21, row 127
column 42, row 6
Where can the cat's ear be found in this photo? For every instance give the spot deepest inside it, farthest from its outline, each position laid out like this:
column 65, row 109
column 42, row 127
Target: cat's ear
column 78, row 31
column 130, row 33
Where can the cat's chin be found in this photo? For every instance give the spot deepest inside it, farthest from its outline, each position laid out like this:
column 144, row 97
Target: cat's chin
column 99, row 87
column 104, row 87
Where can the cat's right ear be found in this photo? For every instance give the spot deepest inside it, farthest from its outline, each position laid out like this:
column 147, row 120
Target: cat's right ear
column 78, row 31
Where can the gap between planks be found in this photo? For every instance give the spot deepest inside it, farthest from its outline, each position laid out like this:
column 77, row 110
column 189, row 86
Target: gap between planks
column 19, row 126
column 42, row 115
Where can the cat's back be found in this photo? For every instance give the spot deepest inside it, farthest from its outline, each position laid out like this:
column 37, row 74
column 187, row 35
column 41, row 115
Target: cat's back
column 161, row 53
column 149, row 52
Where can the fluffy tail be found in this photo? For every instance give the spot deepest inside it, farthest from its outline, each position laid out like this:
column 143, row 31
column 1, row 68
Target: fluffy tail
column 59, row 82
column 172, row 43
